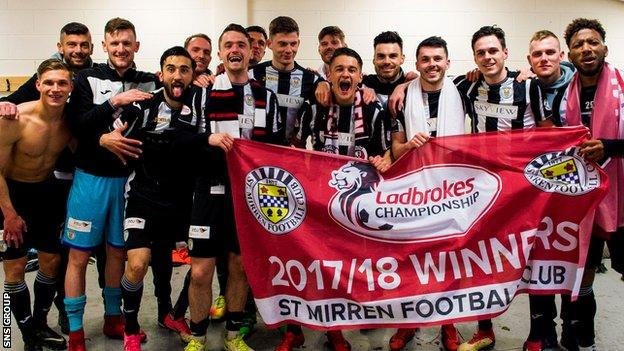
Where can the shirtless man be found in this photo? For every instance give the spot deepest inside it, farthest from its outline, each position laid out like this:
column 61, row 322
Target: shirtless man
column 31, row 207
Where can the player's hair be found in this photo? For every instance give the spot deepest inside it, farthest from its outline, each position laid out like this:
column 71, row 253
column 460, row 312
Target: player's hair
column 334, row 31
column 257, row 29
column 52, row 65
column 433, row 42
column 543, row 34
column 583, row 23
column 233, row 27
column 487, row 31
column 176, row 51
column 284, row 25
column 74, row 28
column 198, row 35
column 346, row 52
column 117, row 24
column 389, row 37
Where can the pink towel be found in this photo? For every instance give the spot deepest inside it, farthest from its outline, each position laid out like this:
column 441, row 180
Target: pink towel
column 607, row 122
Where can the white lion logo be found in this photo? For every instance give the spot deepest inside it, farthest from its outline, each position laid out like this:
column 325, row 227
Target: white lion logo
column 354, row 180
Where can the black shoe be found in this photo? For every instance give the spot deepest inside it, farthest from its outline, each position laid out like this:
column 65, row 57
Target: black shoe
column 32, row 346
column 32, row 265
column 49, row 338
column 569, row 341
column 550, row 340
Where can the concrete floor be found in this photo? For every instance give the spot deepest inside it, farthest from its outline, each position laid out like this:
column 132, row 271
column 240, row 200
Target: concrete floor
column 511, row 328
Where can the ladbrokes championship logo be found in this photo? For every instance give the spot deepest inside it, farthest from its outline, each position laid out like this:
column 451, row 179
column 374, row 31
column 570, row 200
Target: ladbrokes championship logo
column 275, row 198
column 431, row 203
column 564, row 172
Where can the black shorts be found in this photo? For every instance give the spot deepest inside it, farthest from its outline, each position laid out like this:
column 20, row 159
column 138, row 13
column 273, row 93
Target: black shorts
column 146, row 225
column 42, row 206
column 213, row 230
column 616, row 250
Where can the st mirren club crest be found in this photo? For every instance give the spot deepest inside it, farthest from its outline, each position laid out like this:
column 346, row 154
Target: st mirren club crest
column 564, row 172
column 275, row 198
column 295, row 82
column 249, row 100
column 273, row 201
column 507, row 92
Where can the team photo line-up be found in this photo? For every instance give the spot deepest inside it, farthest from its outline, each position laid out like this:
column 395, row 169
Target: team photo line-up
column 133, row 164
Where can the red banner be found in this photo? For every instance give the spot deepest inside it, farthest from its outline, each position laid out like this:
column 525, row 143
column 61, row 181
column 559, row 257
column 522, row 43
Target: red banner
column 452, row 232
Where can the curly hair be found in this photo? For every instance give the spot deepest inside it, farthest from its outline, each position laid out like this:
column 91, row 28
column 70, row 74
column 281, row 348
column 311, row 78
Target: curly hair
column 583, row 23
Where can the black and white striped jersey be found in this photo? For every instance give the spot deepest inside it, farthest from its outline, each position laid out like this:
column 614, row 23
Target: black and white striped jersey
column 358, row 130
column 292, row 88
column 163, row 175
column 430, row 104
column 247, row 111
column 499, row 107
column 382, row 89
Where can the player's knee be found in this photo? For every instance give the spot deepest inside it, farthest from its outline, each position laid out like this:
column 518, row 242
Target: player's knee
column 78, row 258
column 14, row 270
column 200, row 275
column 49, row 264
column 136, row 270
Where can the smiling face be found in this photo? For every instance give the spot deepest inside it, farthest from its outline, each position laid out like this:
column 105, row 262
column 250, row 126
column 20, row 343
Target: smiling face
column 432, row 64
column 388, row 60
column 201, row 51
column 76, row 49
column 345, row 73
column 587, row 52
column 327, row 45
column 545, row 57
column 234, row 51
column 176, row 76
column 54, row 87
column 490, row 57
column 284, row 47
column 121, row 46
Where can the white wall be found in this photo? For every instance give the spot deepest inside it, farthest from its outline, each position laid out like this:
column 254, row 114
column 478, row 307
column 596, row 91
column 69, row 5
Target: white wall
column 454, row 20
column 29, row 28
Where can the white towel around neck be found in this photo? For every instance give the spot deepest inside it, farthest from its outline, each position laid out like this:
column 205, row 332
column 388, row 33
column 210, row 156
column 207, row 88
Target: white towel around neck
column 451, row 115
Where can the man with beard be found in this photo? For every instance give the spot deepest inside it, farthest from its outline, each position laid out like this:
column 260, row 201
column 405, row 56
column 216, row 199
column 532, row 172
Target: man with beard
column 159, row 191
column 292, row 83
column 258, row 44
column 74, row 49
column 433, row 107
column 387, row 59
column 236, row 106
column 545, row 57
column 595, row 99
column 330, row 38
column 96, row 201
column 32, row 207
column 200, row 47
column 350, row 127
